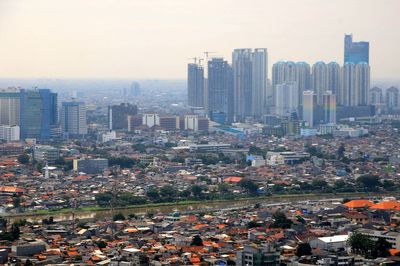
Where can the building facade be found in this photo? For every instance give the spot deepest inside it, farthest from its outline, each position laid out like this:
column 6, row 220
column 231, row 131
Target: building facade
column 73, row 119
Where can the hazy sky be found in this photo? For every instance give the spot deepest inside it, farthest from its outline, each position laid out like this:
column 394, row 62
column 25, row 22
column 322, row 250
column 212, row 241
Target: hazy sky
column 155, row 38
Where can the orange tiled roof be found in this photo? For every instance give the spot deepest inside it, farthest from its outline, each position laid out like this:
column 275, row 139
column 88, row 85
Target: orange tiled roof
column 232, row 179
column 9, row 189
column 358, row 203
column 386, row 205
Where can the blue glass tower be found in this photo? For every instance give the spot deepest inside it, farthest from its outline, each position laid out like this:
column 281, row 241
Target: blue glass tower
column 355, row 52
column 38, row 113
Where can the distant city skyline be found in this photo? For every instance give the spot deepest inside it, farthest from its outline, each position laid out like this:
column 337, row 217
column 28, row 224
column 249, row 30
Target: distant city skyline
column 155, row 39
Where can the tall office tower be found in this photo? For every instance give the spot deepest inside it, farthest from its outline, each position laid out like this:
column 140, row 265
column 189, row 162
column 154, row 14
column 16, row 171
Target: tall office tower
column 319, row 80
column 375, row 96
column 135, row 89
column 220, row 88
column 303, row 78
column 195, row 85
column 333, row 77
column 259, row 81
column 73, row 119
column 287, row 99
column 38, row 114
column 362, row 83
column 355, row 52
column 9, row 107
column 242, row 82
column 392, row 98
column 329, row 105
column 309, row 106
column 347, row 90
column 118, row 115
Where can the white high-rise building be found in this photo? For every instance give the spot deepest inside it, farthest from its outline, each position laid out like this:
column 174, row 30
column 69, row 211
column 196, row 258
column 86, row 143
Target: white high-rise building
column 329, row 105
column 73, row 119
column 355, row 84
column 375, row 96
column 150, row 120
column 250, row 76
column 333, row 77
column 303, row 78
column 362, row 83
column 309, row 104
column 9, row 106
column 9, row 133
column 287, row 99
column 319, row 80
column 259, row 81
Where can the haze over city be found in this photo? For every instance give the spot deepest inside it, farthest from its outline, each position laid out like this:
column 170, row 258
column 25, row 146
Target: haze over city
column 154, row 39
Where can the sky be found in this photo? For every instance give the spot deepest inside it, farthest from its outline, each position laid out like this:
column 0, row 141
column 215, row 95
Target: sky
column 155, row 39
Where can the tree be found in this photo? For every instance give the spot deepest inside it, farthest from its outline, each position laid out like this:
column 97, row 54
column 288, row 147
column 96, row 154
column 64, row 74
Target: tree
column 249, row 185
column 101, row 244
column 118, row 217
column 153, row 194
column 23, row 158
column 340, row 151
column 369, row 182
column 381, row 248
column 168, row 193
column 197, row 190
column 280, row 221
column 319, row 183
column 3, row 224
column 360, row 244
column 197, row 241
column 252, row 224
column 303, row 249
column 223, row 188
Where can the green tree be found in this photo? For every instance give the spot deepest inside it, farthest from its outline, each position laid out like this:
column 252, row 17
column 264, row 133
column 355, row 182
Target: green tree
column 340, row 151
column 118, row 217
column 197, row 190
column 360, row 244
column 248, row 185
column 280, row 221
column 23, row 158
column 153, row 194
column 197, row 241
column 369, row 182
column 101, row 244
column 303, row 249
column 168, row 193
column 319, row 183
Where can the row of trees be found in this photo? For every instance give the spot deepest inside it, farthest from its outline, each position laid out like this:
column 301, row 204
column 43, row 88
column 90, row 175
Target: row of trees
column 366, row 246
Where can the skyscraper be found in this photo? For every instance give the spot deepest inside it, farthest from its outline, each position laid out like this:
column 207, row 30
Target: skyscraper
column 333, row 77
column 259, row 82
column 375, row 96
column 303, row 79
column 287, row 99
column 392, row 98
column 242, row 82
column 355, row 52
column 348, row 85
column 38, row 114
column 195, row 85
column 9, row 106
column 309, row 105
column 329, row 100
column 319, row 80
column 362, row 83
column 118, row 115
column 73, row 119
column 220, row 88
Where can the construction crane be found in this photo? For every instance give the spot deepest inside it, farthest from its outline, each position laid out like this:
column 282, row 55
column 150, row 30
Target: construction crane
column 194, row 59
column 207, row 53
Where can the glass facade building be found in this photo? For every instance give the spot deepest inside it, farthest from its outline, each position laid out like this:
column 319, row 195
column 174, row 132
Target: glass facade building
column 355, row 52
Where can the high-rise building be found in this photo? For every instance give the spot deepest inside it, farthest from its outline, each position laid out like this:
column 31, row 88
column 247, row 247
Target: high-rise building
column 287, row 99
column 9, row 133
column 288, row 72
column 333, row 77
column 73, row 119
column 355, row 52
column 220, row 88
column 303, row 78
column 250, row 82
column 347, row 88
column 309, row 106
column 196, row 92
column 9, row 106
column 242, row 82
column 259, row 83
column 329, row 105
column 118, row 115
column 375, row 96
column 319, row 80
column 392, row 98
column 362, row 83
column 38, row 114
